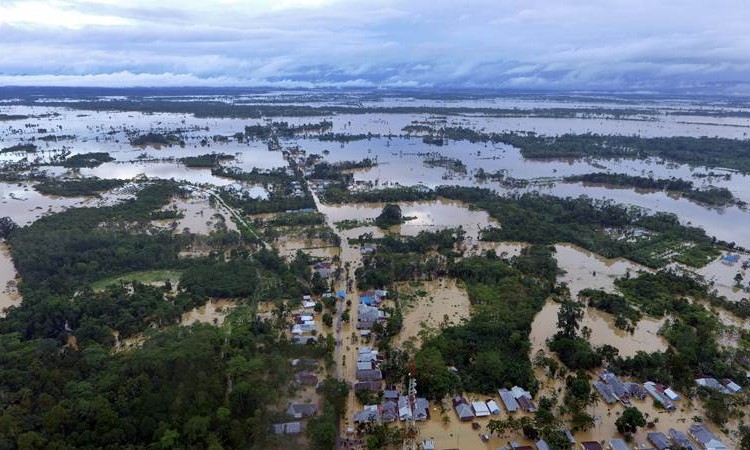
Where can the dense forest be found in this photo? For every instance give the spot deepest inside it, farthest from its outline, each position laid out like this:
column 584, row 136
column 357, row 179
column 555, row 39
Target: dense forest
column 62, row 385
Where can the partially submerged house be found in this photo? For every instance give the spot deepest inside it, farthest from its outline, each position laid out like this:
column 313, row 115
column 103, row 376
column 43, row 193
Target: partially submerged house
column 591, row 445
column 657, row 393
column 463, row 409
column 301, row 410
column 659, row 440
column 287, row 428
column 508, row 399
column 369, row 375
column 704, row 437
column 681, row 440
column 306, row 379
column 605, row 392
column 523, row 398
column 480, row 409
column 618, row 444
column 493, row 407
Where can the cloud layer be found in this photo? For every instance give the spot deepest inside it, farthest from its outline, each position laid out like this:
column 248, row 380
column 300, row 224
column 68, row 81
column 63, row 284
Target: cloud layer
column 567, row 44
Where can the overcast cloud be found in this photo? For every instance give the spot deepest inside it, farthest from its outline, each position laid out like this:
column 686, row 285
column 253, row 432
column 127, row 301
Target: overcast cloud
column 592, row 44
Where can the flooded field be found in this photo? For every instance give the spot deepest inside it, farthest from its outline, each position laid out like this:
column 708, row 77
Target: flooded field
column 584, row 269
column 421, row 216
column 430, row 305
column 603, row 331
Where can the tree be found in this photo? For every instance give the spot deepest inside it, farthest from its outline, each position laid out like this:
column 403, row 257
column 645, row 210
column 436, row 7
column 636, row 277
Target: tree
column 7, row 226
column 630, row 420
column 389, row 216
column 569, row 317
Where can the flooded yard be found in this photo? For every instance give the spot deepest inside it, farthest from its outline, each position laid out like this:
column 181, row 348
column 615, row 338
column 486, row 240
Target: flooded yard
column 213, row 312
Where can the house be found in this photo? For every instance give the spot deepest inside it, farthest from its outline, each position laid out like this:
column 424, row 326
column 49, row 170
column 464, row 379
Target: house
column 369, row 375
column 301, row 410
column 390, row 394
column 731, row 386
column 372, row 386
column 364, row 365
column 591, row 445
column 569, row 436
column 367, row 316
column 389, row 411
column 672, row 395
column 463, row 410
column 341, row 294
column 618, row 388
column 306, row 379
column 606, row 392
column 713, row 384
column 541, row 444
column 636, row 390
column 510, row 402
column 368, row 249
column 308, row 304
column 704, row 437
column 480, row 409
column 493, row 407
column 428, row 444
column 618, row 444
column 287, row 428
column 523, row 398
column 422, row 409
column 681, row 440
column 367, row 354
column 371, row 413
column 656, row 391
column 323, row 269
column 660, row 440
column 404, row 408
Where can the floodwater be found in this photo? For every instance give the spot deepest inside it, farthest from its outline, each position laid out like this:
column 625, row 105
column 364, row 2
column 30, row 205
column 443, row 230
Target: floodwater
column 425, row 216
column 584, row 269
column 603, row 331
column 199, row 216
column 721, row 276
column 9, row 295
column 443, row 302
column 213, row 312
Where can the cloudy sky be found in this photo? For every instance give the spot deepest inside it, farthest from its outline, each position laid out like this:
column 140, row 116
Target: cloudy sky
column 525, row 44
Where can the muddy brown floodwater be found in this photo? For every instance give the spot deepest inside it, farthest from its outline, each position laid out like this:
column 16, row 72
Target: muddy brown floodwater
column 442, row 302
column 213, row 312
column 9, row 295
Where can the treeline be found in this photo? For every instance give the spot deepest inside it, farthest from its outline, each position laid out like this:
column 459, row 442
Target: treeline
column 85, row 160
column 207, row 160
column 342, row 194
column 490, row 350
column 20, row 148
column 83, row 187
column 697, row 151
column 621, row 179
column 714, row 196
column 285, row 130
column 344, row 138
column 543, row 219
column 157, row 139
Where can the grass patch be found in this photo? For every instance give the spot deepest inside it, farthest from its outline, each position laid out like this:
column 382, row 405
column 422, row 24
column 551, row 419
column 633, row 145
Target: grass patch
column 146, row 277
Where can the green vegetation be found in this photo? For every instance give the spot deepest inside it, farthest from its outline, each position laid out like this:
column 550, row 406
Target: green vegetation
column 701, row 151
column 84, row 187
column 630, row 420
column 285, row 192
column 626, row 317
column 692, row 331
column 490, row 350
column 389, row 216
column 82, row 160
column 23, row 148
column 713, row 196
column 207, row 160
column 342, row 194
column 157, row 140
column 423, row 256
column 144, row 277
column 285, row 130
column 451, row 164
column 582, row 221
